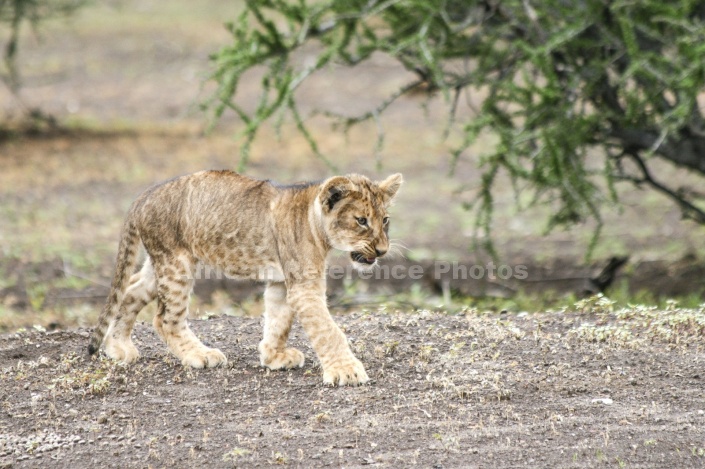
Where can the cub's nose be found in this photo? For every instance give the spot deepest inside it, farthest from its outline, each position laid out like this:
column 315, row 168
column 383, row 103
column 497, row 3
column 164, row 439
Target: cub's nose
column 380, row 252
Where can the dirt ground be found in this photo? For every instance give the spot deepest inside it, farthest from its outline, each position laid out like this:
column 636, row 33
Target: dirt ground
column 548, row 390
column 586, row 386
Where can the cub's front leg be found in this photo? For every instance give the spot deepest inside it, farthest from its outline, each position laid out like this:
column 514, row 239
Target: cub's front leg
column 340, row 367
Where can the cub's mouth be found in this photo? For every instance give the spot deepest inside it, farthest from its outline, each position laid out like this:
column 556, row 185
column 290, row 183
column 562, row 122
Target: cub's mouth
column 359, row 257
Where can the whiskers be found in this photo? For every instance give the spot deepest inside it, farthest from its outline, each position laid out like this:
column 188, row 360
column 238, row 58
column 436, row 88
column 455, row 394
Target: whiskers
column 396, row 249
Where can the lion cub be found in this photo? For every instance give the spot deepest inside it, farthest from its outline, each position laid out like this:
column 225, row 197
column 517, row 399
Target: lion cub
column 250, row 229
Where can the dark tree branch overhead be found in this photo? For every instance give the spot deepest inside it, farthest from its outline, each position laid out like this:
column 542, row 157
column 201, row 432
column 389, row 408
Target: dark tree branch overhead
column 684, row 149
column 562, row 81
column 690, row 210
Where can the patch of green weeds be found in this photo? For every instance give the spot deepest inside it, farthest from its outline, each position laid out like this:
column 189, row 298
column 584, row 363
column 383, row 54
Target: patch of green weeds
column 455, row 349
column 597, row 304
column 426, row 353
column 36, row 294
column 449, row 442
column 599, row 454
column 322, row 417
column 234, row 454
column 638, row 324
column 78, row 377
column 391, row 347
column 419, row 298
column 280, row 458
column 614, row 335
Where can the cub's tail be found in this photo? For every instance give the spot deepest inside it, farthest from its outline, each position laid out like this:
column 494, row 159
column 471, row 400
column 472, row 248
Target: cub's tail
column 126, row 261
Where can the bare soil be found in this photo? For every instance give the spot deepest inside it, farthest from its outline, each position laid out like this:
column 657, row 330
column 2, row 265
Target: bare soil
column 446, row 391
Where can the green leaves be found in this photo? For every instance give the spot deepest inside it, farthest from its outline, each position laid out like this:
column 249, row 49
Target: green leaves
column 569, row 86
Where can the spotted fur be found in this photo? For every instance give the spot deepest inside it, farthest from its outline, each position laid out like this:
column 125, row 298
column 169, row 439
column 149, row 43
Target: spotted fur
column 248, row 228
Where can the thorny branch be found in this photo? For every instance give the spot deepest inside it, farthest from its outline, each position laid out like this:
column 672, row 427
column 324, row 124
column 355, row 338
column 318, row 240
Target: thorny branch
column 690, row 210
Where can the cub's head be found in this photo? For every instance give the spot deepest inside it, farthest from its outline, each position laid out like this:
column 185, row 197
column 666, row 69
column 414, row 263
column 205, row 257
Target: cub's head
column 354, row 215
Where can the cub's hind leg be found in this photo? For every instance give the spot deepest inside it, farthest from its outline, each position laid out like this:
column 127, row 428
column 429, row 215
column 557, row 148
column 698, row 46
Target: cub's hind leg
column 277, row 322
column 141, row 290
column 174, row 284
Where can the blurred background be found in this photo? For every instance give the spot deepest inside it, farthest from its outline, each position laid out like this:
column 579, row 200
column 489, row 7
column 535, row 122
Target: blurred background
column 104, row 99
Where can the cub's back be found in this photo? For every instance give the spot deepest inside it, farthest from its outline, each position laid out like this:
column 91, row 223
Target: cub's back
column 208, row 208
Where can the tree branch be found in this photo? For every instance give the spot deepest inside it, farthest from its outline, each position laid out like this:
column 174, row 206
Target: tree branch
column 686, row 149
column 690, row 211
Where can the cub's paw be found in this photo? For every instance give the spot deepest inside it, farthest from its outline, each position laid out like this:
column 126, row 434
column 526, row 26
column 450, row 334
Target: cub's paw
column 203, row 357
column 281, row 360
column 350, row 373
column 124, row 351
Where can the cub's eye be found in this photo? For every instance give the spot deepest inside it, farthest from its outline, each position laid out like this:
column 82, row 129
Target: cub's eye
column 385, row 220
column 362, row 221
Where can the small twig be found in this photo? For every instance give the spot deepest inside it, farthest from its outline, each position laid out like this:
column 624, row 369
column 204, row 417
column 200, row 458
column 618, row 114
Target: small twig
column 658, row 142
column 453, row 111
column 534, row 18
column 308, row 137
column 689, row 210
column 350, row 121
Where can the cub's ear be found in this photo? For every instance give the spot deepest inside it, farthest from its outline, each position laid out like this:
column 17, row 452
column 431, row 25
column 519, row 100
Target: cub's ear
column 391, row 185
column 334, row 189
